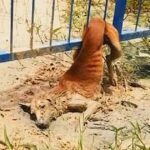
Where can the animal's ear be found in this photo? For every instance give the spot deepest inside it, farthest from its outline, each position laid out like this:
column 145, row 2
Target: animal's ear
column 26, row 107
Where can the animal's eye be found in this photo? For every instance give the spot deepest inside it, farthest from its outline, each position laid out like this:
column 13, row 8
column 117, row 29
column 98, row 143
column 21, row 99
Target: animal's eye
column 54, row 118
column 42, row 106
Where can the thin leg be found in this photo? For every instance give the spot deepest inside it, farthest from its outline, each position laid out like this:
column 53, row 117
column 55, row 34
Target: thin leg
column 112, row 39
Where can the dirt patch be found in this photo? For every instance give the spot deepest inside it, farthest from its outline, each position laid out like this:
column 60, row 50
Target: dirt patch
column 38, row 75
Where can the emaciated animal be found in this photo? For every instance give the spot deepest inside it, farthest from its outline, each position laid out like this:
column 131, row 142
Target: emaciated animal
column 84, row 77
column 85, row 74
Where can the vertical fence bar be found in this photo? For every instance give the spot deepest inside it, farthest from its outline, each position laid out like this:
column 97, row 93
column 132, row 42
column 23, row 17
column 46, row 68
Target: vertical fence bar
column 88, row 12
column 120, row 9
column 11, row 28
column 52, row 22
column 32, row 24
column 139, row 12
column 105, row 11
column 70, row 21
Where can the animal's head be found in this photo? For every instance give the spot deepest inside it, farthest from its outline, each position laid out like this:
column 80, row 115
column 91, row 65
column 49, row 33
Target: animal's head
column 42, row 111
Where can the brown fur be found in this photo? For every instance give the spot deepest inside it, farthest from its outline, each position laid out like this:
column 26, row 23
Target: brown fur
column 85, row 74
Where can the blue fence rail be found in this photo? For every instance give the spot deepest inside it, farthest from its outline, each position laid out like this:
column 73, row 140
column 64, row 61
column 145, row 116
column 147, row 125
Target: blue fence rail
column 118, row 20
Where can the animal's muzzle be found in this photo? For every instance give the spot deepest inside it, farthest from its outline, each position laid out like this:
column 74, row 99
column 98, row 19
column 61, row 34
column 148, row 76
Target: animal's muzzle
column 42, row 125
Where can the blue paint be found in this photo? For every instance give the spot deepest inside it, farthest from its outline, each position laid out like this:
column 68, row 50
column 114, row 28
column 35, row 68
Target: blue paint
column 5, row 56
column 129, row 35
column 120, row 9
column 63, row 46
column 56, row 47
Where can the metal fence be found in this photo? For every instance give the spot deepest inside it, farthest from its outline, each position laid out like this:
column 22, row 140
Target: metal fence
column 118, row 21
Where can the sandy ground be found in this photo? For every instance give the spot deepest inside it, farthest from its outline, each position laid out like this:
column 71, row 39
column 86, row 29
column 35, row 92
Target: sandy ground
column 20, row 77
column 64, row 133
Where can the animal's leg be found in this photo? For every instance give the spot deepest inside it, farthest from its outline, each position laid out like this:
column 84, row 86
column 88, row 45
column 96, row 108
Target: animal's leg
column 92, row 107
column 88, row 108
column 112, row 39
column 77, row 105
column 75, row 55
column 81, row 104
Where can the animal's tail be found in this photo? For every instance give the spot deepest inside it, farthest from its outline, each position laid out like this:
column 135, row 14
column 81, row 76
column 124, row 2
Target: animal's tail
column 111, row 38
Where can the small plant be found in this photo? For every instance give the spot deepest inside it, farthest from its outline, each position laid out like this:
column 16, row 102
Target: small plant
column 7, row 141
column 118, row 141
column 134, row 137
column 15, row 146
column 137, row 138
column 82, row 129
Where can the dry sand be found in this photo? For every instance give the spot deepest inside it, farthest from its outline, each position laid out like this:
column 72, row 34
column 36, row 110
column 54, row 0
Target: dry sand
column 64, row 132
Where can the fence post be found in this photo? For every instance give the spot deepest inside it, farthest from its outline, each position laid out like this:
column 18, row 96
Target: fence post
column 105, row 11
column 139, row 12
column 70, row 21
column 52, row 22
column 88, row 12
column 32, row 24
column 120, row 9
column 11, row 28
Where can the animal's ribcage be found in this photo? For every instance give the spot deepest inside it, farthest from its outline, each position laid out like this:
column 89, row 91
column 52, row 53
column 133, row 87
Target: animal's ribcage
column 87, row 68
